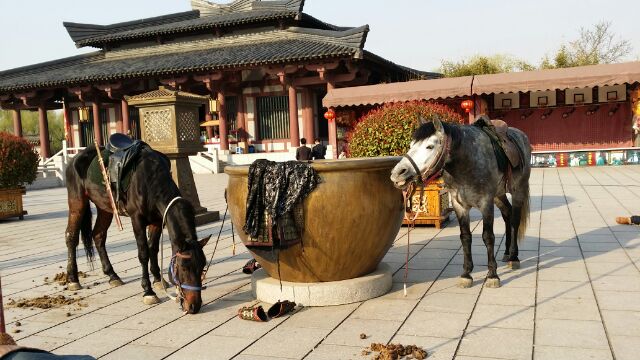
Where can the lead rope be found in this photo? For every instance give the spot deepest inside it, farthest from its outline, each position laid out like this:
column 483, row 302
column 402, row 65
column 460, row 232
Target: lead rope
column 224, row 218
column 411, row 223
column 162, row 281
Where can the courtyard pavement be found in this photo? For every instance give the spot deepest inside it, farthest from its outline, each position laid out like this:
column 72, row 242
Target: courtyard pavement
column 577, row 295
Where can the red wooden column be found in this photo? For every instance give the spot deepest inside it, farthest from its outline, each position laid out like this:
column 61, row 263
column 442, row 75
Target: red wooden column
column 222, row 117
column 17, row 123
column 68, row 126
column 43, row 122
column 294, row 128
column 333, row 130
column 97, row 130
column 124, row 110
column 241, row 121
column 307, row 115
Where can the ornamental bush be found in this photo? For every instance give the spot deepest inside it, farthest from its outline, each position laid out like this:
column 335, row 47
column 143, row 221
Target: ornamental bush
column 387, row 131
column 18, row 161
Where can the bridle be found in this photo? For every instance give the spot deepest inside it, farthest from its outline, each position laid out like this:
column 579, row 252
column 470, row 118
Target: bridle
column 179, row 297
column 437, row 165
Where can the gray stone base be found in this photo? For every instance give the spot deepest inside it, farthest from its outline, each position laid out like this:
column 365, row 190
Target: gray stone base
column 376, row 284
column 207, row 217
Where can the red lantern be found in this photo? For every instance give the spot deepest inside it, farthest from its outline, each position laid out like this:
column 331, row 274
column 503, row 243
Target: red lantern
column 467, row 105
column 330, row 115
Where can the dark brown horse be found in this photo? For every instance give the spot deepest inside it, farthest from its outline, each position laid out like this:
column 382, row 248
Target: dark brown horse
column 151, row 190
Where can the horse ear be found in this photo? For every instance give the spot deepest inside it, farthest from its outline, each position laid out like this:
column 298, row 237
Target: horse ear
column 438, row 125
column 203, row 242
column 422, row 120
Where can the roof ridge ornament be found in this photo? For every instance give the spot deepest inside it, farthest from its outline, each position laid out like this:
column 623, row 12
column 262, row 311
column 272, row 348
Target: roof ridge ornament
column 210, row 8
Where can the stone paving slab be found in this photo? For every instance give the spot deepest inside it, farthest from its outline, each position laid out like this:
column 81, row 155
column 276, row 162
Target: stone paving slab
column 576, row 296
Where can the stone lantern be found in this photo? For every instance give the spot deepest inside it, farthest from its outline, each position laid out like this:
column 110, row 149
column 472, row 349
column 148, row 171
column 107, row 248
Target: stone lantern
column 169, row 123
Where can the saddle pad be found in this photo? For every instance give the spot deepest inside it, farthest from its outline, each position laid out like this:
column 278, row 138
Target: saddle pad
column 94, row 174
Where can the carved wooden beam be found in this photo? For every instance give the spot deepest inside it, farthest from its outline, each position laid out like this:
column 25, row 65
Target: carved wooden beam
column 81, row 92
column 324, row 66
column 209, row 80
column 286, row 69
column 110, row 89
column 175, row 81
column 33, row 99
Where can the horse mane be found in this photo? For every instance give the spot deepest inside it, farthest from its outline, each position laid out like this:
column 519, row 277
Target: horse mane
column 428, row 129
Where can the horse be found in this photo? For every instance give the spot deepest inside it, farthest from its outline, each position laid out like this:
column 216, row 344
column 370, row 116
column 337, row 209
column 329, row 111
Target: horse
column 464, row 156
column 151, row 196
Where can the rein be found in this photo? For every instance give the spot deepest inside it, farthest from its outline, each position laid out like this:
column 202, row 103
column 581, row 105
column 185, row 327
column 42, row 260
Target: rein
column 411, row 224
column 171, row 269
column 438, row 163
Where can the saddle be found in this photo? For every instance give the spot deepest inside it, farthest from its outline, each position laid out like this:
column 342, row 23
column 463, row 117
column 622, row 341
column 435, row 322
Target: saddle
column 504, row 145
column 123, row 153
column 508, row 145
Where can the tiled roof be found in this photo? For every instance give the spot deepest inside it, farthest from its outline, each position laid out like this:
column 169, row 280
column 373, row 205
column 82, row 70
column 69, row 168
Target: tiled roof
column 273, row 47
column 165, row 92
column 237, row 13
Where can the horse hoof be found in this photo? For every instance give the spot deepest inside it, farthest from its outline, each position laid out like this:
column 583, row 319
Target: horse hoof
column 465, row 283
column 150, row 300
column 116, row 283
column 505, row 258
column 73, row 286
column 515, row 265
column 493, row 283
column 158, row 285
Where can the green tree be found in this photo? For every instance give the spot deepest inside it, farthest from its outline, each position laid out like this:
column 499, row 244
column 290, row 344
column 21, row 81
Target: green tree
column 596, row 45
column 30, row 126
column 483, row 64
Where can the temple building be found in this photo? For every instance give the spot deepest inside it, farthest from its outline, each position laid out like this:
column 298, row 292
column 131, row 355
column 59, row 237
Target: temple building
column 265, row 64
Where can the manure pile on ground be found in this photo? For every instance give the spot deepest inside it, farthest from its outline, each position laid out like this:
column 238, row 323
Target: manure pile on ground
column 61, row 278
column 395, row 352
column 45, row 302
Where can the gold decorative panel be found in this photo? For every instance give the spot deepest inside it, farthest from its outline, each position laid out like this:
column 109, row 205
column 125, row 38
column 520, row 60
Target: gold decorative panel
column 157, row 125
column 8, row 206
column 188, row 126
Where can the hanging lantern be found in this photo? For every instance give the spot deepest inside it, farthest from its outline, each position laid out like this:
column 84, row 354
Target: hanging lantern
column 213, row 105
column 83, row 114
column 467, row 105
column 330, row 115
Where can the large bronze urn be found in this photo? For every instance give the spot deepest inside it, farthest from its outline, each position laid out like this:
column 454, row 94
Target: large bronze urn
column 350, row 221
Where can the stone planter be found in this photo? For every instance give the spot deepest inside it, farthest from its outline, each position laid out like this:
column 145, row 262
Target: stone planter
column 11, row 203
column 435, row 208
column 351, row 220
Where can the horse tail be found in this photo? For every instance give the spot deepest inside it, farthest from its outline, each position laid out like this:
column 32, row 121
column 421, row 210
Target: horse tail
column 76, row 177
column 524, row 214
column 524, row 148
column 87, row 234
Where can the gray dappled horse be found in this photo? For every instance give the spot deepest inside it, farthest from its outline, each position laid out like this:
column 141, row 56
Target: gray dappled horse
column 465, row 157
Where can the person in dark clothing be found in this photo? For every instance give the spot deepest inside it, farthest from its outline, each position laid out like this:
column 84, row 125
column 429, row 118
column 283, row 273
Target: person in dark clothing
column 318, row 150
column 631, row 220
column 303, row 153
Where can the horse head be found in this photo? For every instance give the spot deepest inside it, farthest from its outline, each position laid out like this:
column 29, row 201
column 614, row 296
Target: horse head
column 187, row 273
column 425, row 157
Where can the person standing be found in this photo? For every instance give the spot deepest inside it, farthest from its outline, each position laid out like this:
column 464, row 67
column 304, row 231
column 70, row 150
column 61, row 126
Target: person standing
column 303, row 153
column 318, row 150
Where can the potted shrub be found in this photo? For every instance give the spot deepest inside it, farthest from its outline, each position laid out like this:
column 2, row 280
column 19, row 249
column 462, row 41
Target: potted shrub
column 387, row 131
column 18, row 167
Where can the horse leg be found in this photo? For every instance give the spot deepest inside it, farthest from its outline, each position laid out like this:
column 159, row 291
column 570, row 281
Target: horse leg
column 155, row 231
column 493, row 281
column 139, row 229
column 78, row 209
column 505, row 209
column 103, row 221
column 462, row 214
column 516, row 217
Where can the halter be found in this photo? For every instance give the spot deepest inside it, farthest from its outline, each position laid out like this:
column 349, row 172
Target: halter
column 172, row 264
column 437, row 164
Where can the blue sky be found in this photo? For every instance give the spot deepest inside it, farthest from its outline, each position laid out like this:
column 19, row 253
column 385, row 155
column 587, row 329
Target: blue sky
column 415, row 33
